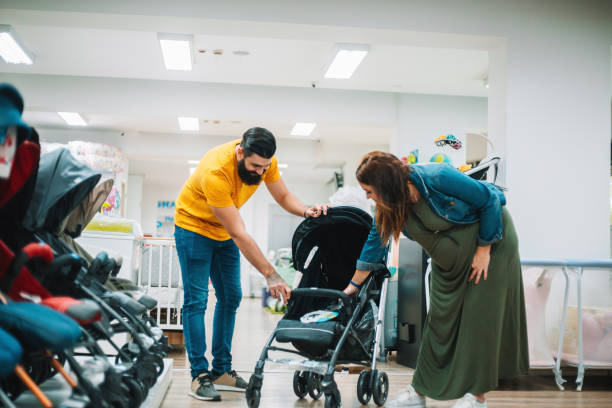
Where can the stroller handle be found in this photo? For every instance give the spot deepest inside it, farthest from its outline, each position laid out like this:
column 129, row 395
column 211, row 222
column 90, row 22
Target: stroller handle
column 324, row 293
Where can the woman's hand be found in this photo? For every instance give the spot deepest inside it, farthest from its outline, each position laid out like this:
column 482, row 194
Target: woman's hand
column 358, row 277
column 480, row 264
column 351, row 290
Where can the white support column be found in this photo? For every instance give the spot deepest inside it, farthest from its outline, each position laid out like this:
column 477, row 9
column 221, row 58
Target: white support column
column 497, row 110
column 558, row 141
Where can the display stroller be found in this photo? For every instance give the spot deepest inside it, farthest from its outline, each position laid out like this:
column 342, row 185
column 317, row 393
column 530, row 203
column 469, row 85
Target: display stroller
column 325, row 250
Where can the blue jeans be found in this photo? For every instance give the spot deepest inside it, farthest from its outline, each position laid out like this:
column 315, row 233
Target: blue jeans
column 202, row 258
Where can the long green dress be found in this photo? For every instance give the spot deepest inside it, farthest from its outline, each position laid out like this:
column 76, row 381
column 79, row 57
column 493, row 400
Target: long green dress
column 474, row 334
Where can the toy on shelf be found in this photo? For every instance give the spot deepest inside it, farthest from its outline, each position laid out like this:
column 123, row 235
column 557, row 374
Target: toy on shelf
column 412, row 158
column 465, row 167
column 440, row 158
column 449, row 140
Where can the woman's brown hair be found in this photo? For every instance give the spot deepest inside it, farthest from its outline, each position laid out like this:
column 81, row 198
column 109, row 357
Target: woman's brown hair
column 388, row 176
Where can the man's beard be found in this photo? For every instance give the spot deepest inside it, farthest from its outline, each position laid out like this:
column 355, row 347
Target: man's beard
column 250, row 178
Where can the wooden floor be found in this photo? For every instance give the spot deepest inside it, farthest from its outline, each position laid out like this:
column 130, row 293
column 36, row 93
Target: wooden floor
column 254, row 326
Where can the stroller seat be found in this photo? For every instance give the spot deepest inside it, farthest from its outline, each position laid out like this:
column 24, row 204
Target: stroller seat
column 313, row 338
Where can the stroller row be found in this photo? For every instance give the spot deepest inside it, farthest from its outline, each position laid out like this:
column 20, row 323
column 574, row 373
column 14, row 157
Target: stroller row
column 57, row 302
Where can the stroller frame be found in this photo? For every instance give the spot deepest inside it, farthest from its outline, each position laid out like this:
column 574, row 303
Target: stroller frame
column 371, row 383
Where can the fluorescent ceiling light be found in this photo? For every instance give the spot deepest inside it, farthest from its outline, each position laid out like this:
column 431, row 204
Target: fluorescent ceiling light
column 188, row 123
column 196, row 162
column 347, row 59
column 303, row 129
column 11, row 50
column 282, row 165
column 73, row 118
column 192, row 170
column 177, row 51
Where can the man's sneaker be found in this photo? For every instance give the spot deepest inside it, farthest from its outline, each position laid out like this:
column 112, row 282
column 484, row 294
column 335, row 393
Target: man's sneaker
column 408, row 398
column 203, row 389
column 229, row 381
column 469, row 401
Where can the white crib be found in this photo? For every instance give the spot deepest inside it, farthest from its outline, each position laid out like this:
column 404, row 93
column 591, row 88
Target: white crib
column 160, row 275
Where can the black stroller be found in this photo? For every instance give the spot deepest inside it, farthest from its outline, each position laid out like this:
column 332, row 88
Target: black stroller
column 325, row 250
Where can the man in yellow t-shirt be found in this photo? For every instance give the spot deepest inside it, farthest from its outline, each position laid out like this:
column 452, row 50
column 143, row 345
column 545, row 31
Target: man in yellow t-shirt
column 209, row 234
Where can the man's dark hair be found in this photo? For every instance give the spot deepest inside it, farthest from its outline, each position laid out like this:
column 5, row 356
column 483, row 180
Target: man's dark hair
column 260, row 141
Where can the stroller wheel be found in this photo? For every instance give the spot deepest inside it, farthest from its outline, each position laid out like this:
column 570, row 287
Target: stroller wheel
column 332, row 400
column 146, row 372
column 314, row 386
column 364, row 393
column 253, row 393
column 136, row 392
column 157, row 361
column 381, row 388
column 300, row 383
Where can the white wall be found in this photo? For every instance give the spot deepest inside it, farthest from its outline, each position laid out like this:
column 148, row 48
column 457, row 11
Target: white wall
column 151, row 193
column 421, row 118
column 134, row 197
column 558, row 140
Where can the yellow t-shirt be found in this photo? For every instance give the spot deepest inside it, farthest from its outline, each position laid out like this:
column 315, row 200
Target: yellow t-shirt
column 215, row 182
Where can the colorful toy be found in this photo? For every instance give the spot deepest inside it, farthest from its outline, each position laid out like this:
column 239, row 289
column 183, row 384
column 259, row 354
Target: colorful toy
column 450, row 140
column 465, row 167
column 440, row 158
column 112, row 203
column 412, row 158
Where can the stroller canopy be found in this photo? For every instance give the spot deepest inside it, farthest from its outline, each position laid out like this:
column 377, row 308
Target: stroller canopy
column 78, row 219
column 62, row 184
column 338, row 237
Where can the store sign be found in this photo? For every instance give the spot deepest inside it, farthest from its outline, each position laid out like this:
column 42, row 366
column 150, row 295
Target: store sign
column 165, row 204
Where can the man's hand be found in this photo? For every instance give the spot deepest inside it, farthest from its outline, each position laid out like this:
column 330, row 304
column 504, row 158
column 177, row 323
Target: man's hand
column 316, row 210
column 278, row 287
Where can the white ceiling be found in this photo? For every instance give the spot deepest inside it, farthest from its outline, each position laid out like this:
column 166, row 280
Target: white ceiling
column 112, row 53
column 104, row 61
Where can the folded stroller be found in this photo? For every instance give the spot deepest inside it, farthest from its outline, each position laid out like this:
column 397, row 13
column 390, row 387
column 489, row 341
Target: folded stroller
column 325, row 250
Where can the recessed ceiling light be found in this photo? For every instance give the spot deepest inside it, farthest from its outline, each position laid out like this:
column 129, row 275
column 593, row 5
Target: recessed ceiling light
column 73, row 118
column 241, row 53
column 282, row 165
column 176, row 51
column 11, row 51
column 303, row 129
column 189, row 123
column 193, row 162
column 347, row 59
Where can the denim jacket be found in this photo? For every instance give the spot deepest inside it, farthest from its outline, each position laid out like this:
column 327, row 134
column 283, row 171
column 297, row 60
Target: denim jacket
column 453, row 196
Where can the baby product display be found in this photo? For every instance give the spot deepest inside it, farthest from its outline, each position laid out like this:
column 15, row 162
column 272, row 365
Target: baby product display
column 56, row 312
column 106, row 160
